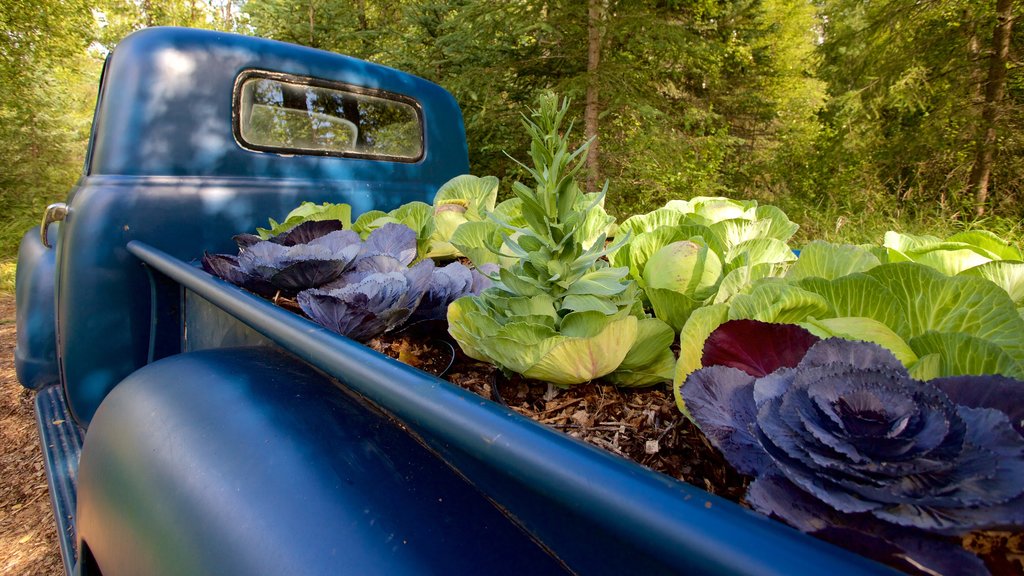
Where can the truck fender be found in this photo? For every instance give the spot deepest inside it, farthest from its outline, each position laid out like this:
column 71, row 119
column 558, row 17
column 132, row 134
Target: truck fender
column 35, row 350
column 248, row 461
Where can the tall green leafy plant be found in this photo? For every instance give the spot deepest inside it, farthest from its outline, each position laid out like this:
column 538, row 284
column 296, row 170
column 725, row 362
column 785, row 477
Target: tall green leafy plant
column 560, row 313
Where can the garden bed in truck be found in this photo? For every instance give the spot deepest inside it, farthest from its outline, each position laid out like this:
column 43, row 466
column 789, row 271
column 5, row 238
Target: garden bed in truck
column 214, row 401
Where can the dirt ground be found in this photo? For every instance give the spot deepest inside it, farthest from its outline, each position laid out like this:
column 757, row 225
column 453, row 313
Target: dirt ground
column 28, row 536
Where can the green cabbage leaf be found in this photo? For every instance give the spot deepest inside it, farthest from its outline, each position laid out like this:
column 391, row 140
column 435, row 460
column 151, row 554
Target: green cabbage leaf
column 953, row 255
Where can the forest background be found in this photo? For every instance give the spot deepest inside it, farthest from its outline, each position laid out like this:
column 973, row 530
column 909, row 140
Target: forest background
column 853, row 116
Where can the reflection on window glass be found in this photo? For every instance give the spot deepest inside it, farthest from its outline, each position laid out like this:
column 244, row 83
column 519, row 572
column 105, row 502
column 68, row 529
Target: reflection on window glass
column 291, row 116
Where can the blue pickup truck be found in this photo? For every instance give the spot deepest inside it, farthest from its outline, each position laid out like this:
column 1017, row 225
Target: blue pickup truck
column 190, row 427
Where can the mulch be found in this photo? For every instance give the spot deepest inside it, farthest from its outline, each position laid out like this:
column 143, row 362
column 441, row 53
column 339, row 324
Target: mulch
column 28, row 535
column 640, row 424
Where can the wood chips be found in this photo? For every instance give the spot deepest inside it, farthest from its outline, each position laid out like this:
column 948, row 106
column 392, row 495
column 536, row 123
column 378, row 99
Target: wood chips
column 28, row 535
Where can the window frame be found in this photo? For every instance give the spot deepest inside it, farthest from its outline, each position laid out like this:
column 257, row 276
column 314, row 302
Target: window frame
column 247, row 75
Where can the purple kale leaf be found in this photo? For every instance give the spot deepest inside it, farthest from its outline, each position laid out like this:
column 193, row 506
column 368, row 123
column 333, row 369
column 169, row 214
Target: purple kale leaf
column 757, row 348
column 910, row 550
column 225, row 266
column 371, row 304
column 483, row 277
column 301, row 234
column 991, row 391
column 284, row 266
column 390, row 249
column 294, row 268
column 721, row 400
column 356, row 288
column 393, row 240
column 447, row 285
column 847, row 440
column 306, row 232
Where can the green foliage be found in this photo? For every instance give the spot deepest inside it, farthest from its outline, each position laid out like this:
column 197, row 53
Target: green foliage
column 686, row 91
column 854, row 117
column 361, row 29
column 118, row 18
column 50, row 60
column 43, row 66
column 907, row 85
column 8, row 271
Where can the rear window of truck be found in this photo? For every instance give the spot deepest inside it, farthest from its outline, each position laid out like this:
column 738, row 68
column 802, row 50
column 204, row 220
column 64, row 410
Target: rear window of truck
column 295, row 115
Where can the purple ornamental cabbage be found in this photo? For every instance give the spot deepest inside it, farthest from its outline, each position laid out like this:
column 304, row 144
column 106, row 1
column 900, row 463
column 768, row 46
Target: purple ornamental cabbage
column 301, row 234
column 379, row 291
column 447, row 285
column 371, row 305
column 392, row 240
column 309, row 255
column 846, row 445
column 225, row 267
column 356, row 288
column 301, row 266
column 390, row 248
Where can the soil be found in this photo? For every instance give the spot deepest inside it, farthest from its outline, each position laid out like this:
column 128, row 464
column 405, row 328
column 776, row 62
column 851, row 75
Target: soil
column 641, row 424
column 28, row 534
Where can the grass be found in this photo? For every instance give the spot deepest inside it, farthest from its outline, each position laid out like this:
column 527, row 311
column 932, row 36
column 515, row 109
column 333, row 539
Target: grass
column 11, row 231
column 7, row 270
column 17, row 220
column 865, row 222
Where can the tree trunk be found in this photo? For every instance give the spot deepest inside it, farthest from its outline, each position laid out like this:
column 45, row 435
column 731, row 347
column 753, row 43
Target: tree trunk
column 994, row 88
column 590, row 114
column 147, row 11
column 974, row 53
column 312, row 43
column 364, row 26
column 228, row 16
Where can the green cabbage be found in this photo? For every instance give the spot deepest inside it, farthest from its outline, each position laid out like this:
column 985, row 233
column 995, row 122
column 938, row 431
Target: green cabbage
column 693, row 253
column 462, row 199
